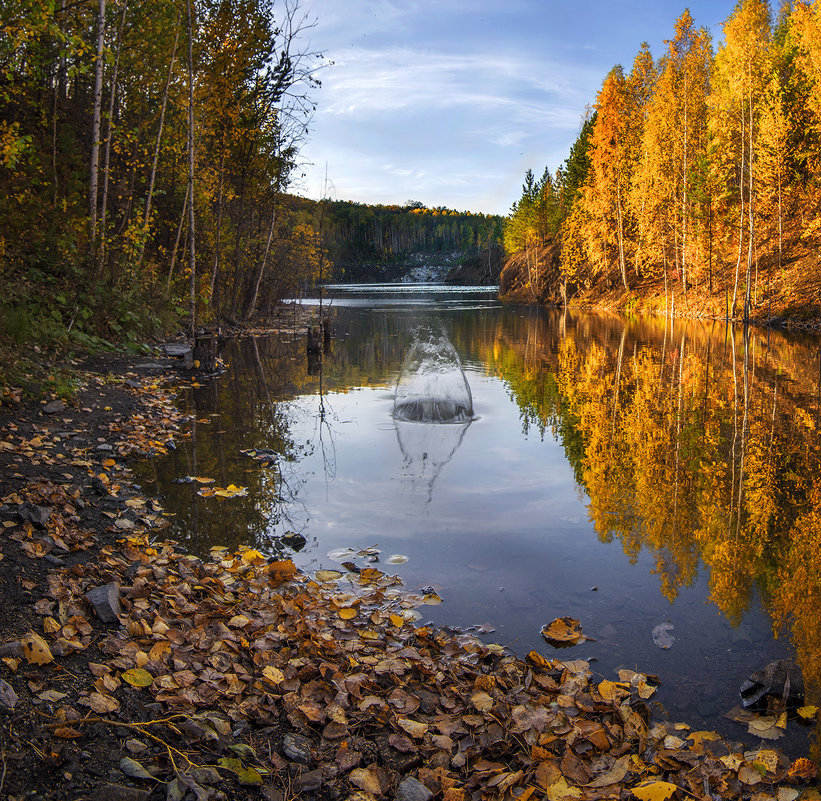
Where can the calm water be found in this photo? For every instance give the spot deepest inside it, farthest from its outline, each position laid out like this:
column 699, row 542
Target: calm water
column 620, row 471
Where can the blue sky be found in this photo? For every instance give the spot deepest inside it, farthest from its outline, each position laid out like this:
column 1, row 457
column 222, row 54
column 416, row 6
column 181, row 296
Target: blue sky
column 449, row 101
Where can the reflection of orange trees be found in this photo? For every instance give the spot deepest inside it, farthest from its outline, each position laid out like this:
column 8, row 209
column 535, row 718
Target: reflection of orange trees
column 693, row 447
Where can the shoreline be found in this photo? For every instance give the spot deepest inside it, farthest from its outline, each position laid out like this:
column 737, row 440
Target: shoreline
column 206, row 674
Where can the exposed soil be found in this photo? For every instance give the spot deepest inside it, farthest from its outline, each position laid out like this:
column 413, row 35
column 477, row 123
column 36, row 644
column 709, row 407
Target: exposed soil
column 240, row 678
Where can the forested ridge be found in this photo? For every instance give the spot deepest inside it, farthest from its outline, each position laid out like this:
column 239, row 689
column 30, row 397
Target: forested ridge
column 693, row 185
column 377, row 242
column 145, row 152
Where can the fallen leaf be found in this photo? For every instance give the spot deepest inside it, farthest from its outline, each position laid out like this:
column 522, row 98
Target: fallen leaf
column 562, row 632
column 134, row 769
column 414, row 728
column 614, row 775
column 36, row 650
column 137, row 677
column 366, row 780
column 327, row 575
column 246, row 775
column 654, row 791
column 560, row 790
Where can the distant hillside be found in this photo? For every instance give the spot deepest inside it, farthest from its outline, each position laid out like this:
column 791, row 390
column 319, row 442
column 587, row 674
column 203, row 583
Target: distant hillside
column 391, row 243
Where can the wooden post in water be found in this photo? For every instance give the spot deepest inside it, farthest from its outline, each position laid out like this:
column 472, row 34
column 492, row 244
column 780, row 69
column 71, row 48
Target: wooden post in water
column 326, row 335
column 315, row 339
column 205, row 353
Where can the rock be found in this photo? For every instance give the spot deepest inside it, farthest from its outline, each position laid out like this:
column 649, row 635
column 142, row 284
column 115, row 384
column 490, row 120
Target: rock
column 8, row 698
column 54, row 407
column 297, row 748
column 13, row 649
column 119, row 792
column 38, row 516
column 106, row 602
column 293, row 540
column 177, row 350
column 130, row 382
column 104, row 447
column 411, row 789
column 312, row 780
column 145, row 366
column 780, row 680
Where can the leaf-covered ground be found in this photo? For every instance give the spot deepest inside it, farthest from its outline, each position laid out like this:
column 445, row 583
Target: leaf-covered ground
column 131, row 670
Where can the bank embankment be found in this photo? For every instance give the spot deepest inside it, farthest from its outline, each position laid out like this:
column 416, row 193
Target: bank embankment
column 789, row 295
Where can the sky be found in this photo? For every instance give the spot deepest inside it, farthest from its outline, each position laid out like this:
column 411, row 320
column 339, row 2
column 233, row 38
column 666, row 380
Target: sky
column 449, row 102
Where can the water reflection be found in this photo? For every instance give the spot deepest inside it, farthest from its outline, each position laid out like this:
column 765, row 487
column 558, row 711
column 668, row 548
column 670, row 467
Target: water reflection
column 666, row 464
column 426, row 449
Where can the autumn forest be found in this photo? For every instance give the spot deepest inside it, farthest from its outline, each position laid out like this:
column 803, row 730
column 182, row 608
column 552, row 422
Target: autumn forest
column 694, row 182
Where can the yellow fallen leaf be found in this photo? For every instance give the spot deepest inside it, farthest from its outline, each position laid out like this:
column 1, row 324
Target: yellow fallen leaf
column 807, row 712
column 700, row 737
column 560, row 790
column 138, row 677
column 36, row 650
column 613, row 690
column 482, row 702
column 366, row 780
column 347, row 613
column 654, row 791
column 416, row 729
column 253, row 557
column 273, row 674
column 563, row 631
column 327, row 575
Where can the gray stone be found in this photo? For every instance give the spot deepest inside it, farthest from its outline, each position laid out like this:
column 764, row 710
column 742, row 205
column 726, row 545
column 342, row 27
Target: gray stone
column 312, row 780
column 297, row 748
column 106, row 602
column 54, row 407
column 8, row 698
column 119, row 792
column 178, row 351
column 411, row 789
column 38, row 516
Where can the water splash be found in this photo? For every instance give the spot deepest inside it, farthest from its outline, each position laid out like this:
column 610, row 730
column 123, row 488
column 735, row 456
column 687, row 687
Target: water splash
column 432, row 387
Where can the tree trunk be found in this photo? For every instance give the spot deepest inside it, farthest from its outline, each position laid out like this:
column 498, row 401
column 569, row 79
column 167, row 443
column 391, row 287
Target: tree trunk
column 95, row 129
column 107, row 159
column 740, row 219
column 192, row 250
column 155, row 161
column 215, row 272
column 622, row 265
column 252, row 305
column 176, row 244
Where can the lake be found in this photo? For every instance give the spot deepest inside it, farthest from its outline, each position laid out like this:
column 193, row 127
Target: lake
column 627, row 472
